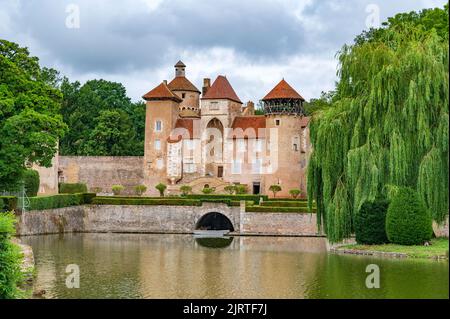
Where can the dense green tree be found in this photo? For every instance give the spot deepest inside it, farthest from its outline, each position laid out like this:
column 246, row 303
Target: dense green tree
column 388, row 124
column 30, row 120
column 323, row 102
column 85, row 105
column 111, row 135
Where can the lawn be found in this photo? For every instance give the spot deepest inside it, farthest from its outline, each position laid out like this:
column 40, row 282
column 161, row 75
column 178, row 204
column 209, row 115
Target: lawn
column 437, row 249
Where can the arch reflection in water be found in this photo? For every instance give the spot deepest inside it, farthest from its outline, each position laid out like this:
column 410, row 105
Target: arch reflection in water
column 214, row 221
column 216, row 243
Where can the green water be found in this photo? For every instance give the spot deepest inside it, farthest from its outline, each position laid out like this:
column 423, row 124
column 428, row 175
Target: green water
column 179, row 266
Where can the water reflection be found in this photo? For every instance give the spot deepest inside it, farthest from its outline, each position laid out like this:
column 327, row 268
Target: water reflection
column 174, row 266
column 217, row 242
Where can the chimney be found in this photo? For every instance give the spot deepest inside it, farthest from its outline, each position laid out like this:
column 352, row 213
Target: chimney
column 165, row 82
column 206, row 85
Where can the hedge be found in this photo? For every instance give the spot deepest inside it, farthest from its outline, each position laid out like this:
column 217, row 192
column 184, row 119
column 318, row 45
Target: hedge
column 8, row 203
column 58, row 201
column 72, row 188
column 285, row 204
column 370, row 223
column 408, row 222
column 254, row 198
column 265, row 209
column 31, row 182
column 145, row 201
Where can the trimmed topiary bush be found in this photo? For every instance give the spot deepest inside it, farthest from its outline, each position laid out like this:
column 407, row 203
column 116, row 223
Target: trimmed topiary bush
column 208, row 190
column 161, row 189
column 117, row 189
column 230, row 189
column 275, row 189
column 370, row 223
column 72, row 188
column 31, row 182
column 241, row 189
column 295, row 193
column 140, row 189
column 185, row 190
column 58, row 201
column 408, row 222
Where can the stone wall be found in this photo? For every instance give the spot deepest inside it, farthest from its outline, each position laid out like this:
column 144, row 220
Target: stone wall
column 159, row 219
column 279, row 224
column 102, row 171
column 52, row 221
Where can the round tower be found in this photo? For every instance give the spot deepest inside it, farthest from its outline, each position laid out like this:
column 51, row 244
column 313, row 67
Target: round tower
column 287, row 128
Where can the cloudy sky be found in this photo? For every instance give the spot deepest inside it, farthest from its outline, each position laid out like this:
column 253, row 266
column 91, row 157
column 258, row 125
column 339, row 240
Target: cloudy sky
column 254, row 43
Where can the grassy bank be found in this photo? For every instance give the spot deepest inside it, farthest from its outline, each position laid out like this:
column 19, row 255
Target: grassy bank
column 437, row 249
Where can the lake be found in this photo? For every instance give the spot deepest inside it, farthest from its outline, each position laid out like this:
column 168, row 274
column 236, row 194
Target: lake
column 181, row 266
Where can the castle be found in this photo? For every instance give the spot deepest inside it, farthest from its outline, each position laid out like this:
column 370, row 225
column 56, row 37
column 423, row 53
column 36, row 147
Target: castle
column 205, row 138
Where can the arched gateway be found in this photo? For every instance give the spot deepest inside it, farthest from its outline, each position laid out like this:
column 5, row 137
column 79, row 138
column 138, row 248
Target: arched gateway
column 214, row 221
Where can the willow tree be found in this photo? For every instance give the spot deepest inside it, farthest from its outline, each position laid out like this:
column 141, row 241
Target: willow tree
column 388, row 126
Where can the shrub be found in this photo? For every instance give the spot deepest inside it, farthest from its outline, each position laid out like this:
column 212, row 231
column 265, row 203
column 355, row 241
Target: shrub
column 140, row 189
column 8, row 203
column 31, row 182
column 246, row 197
column 268, row 209
column 370, row 223
column 208, row 190
column 230, row 189
column 275, row 189
column 72, row 188
column 96, row 190
column 185, row 190
column 56, row 201
column 145, row 201
column 241, row 189
column 10, row 259
column 295, row 193
column 87, row 198
column 408, row 222
column 161, row 189
column 117, row 189
column 271, row 203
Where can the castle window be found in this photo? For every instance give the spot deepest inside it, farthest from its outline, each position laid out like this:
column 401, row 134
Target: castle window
column 241, row 145
column 237, row 167
column 158, row 126
column 304, row 143
column 258, row 146
column 189, row 165
column 183, row 95
column 159, row 163
column 157, row 145
column 189, row 144
column 295, row 147
column 277, row 122
column 257, row 166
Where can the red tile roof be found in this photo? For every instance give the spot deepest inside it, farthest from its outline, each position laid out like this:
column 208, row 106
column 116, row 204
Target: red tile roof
column 181, row 83
column 283, row 91
column 221, row 89
column 177, row 135
column 161, row 92
column 258, row 123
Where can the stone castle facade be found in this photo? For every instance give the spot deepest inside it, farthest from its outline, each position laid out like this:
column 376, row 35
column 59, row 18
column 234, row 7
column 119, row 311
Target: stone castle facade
column 206, row 138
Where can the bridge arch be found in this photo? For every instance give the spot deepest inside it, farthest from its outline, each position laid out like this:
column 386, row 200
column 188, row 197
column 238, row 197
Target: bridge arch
column 214, row 221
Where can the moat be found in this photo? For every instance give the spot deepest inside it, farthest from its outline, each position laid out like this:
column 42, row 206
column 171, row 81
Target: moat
column 181, row 266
